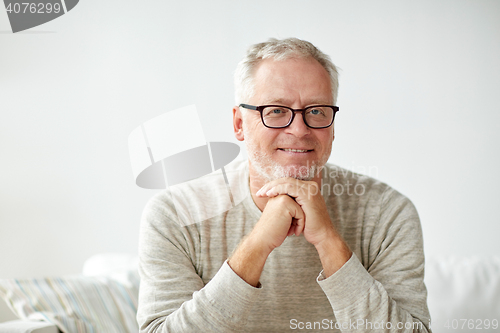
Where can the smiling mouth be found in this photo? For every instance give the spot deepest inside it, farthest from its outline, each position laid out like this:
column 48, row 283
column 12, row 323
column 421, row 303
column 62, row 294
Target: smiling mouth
column 295, row 150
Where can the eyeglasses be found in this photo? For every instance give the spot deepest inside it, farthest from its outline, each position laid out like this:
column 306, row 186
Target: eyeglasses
column 278, row 116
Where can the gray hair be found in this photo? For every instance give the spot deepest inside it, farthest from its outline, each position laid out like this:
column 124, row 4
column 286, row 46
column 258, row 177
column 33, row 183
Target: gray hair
column 278, row 50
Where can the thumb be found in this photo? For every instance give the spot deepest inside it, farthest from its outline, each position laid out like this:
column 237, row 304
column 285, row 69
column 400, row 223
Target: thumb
column 298, row 218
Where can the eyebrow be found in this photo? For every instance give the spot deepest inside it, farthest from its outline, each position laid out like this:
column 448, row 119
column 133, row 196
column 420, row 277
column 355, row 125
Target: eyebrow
column 282, row 101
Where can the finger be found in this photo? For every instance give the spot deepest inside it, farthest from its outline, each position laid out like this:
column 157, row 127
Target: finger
column 264, row 189
column 292, row 190
column 297, row 230
column 298, row 218
column 276, row 182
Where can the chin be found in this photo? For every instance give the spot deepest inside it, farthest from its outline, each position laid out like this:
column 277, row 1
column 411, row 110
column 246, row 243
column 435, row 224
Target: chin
column 275, row 171
column 301, row 172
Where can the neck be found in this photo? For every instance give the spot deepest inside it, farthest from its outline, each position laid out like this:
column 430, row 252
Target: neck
column 257, row 181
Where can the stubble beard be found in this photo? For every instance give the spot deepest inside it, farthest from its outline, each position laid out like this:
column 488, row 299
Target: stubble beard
column 270, row 170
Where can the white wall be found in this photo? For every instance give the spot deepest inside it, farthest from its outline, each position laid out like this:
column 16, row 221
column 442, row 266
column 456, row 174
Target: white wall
column 418, row 99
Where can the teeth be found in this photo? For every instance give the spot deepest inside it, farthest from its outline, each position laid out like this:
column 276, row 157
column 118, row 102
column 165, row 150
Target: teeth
column 296, row 150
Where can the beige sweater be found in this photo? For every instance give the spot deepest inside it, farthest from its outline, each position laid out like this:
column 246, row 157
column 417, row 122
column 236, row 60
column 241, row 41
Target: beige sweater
column 187, row 286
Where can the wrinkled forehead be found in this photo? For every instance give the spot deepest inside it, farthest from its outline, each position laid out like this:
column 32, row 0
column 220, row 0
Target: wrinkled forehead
column 291, row 81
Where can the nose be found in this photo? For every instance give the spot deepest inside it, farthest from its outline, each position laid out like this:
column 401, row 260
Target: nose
column 298, row 127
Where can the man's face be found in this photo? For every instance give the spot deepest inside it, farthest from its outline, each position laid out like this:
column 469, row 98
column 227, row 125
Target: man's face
column 296, row 83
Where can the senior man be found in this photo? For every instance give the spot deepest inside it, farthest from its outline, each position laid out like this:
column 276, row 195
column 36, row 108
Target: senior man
column 313, row 246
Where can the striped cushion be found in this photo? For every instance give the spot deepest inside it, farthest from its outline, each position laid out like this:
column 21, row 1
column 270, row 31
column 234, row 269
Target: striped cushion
column 76, row 303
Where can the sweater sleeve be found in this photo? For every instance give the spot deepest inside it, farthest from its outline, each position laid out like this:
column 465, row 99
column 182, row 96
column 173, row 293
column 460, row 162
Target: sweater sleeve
column 172, row 296
column 389, row 295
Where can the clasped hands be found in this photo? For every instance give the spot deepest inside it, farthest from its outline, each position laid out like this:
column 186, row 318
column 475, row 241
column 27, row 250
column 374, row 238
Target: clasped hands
column 294, row 207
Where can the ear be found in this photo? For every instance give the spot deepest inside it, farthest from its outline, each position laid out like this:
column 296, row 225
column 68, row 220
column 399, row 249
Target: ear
column 238, row 123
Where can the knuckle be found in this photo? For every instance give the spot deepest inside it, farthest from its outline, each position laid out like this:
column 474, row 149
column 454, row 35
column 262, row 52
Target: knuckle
column 283, row 198
column 278, row 200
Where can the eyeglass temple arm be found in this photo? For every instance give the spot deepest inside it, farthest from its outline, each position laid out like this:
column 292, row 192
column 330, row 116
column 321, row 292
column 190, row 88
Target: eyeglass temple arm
column 250, row 107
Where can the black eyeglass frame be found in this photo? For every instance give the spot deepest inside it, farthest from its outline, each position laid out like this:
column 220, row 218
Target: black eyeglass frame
column 262, row 107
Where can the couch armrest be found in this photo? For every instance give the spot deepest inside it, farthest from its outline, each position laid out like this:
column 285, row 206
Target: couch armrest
column 24, row 326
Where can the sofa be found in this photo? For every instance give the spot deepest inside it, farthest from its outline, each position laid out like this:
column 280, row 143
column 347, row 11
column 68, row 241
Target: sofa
column 463, row 296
